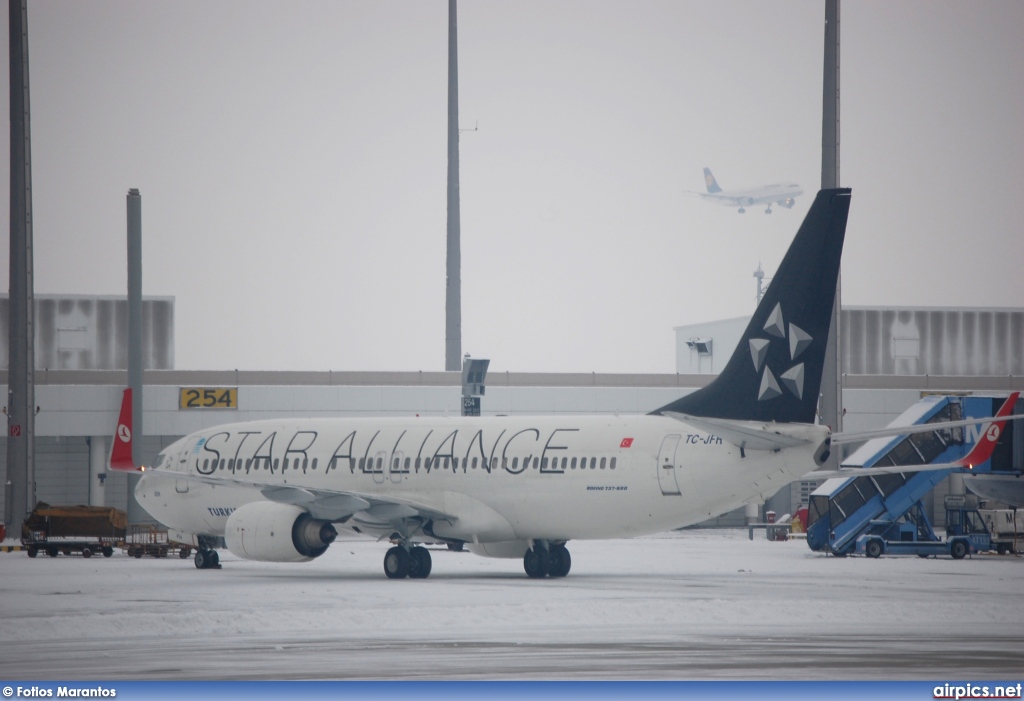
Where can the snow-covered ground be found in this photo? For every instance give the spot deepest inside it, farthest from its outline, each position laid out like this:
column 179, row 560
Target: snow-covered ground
column 699, row 604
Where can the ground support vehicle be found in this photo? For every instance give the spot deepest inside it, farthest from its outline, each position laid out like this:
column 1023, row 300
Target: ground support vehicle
column 849, row 512
column 149, row 539
column 88, row 530
column 966, row 534
column 1006, row 527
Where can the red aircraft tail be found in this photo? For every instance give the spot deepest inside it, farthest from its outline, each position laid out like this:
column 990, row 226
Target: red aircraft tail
column 982, row 450
column 121, row 454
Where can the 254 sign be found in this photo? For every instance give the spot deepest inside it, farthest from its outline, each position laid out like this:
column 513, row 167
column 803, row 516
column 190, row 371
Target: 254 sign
column 208, row 398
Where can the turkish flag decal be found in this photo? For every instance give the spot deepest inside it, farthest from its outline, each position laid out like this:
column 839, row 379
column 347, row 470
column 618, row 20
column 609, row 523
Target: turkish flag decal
column 626, row 442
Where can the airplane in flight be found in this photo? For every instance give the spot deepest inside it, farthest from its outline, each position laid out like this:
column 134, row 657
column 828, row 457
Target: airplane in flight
column 518, row 486
column 782, row 194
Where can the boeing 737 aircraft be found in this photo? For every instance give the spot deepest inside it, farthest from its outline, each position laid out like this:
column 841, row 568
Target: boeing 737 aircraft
column 522, row 487
column 782, row 194
column 519, row 487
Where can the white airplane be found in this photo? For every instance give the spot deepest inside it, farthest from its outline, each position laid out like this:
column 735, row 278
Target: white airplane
column 520, row 487
column 782, row 194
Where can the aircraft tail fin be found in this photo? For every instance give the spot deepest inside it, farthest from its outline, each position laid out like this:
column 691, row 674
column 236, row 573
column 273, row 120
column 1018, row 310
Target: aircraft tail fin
column 121, row 454
column 986, row 444
column 775, row 372
column 710, row 182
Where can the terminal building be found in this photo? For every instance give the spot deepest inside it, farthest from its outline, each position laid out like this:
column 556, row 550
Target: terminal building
column 893, row 356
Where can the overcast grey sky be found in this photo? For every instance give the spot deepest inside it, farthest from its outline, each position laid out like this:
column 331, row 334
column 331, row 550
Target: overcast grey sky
column 292, row 164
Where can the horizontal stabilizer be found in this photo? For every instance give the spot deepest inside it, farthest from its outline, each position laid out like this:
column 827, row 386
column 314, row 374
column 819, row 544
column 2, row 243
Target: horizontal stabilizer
column 981, row 451
column 884, row 470
column 750, row 435
column 888, row 431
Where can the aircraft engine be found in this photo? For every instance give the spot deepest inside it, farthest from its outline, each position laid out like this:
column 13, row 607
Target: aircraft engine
column 273, row 532
column 788, row 202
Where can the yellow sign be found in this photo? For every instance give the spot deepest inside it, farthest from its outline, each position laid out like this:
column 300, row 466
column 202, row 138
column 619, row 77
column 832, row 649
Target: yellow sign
column 208, row 398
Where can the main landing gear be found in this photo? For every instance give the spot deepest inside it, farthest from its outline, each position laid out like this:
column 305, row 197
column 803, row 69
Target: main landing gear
column 543, row 560
column 207, row 559
column 403, row 561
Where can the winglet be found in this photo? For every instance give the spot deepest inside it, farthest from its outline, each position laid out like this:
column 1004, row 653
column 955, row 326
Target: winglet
column 121, row 453
column 982, row 450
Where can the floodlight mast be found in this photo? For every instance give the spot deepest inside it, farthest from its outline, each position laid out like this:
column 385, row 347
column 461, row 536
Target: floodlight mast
column 453, row 286
column 830, row 406
column 20, row 489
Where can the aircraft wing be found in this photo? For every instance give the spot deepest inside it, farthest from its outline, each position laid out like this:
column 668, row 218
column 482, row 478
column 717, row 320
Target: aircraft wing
column 329, row 504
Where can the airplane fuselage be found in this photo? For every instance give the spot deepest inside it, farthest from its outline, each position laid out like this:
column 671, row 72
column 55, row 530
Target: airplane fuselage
column 506, row 478
column 782, row 194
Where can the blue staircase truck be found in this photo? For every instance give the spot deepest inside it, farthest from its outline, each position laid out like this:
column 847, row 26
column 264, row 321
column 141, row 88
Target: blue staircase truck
column 883, row 513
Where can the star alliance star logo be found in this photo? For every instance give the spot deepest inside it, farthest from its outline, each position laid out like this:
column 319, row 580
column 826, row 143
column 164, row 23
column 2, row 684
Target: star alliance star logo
column 793, row 378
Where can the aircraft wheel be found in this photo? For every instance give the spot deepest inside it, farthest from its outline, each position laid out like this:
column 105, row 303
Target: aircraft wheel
column 396, row 563
column 419, row 563
column 536, row 562
column 873, row 549
column 205, row 559
column 958, row 550
column 560, row 563
column 741, row 210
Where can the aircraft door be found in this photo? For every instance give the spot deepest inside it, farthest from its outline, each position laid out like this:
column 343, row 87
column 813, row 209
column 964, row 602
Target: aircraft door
column 667, row 465
column 397, row 469
column 379, row 465
column 181, row 485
